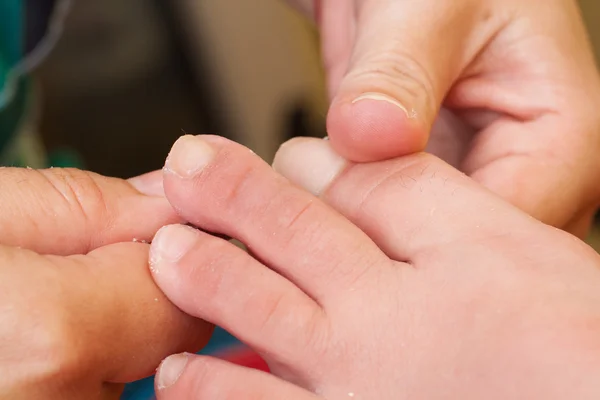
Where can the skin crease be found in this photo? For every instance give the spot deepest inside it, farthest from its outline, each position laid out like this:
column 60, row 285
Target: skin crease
column 79, row 312
column 505, row 90
column 475, row 299
column 510, row 98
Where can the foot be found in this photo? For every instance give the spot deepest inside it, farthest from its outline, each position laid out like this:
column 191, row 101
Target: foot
column 400, row 279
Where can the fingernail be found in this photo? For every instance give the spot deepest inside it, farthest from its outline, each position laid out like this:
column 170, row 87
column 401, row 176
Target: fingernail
column 188, row 156
column 170, row 244
column 170, row 370
column 310, row 163
column 150, row 184
column 380, row 97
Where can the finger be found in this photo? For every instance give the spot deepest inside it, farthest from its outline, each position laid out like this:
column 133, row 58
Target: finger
column 337, row 25
column 214, row 280
column 406, row 205
column 183, row 376
column 98, row 317
column 220, row 186
column 406, row 56
column 68, row 211
column 150, row 184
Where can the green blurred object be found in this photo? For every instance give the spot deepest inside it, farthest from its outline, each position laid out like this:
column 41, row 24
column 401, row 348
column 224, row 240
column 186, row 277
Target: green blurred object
column 65, row 158
column 11, row 37
column 13, row 94
column 20, row 144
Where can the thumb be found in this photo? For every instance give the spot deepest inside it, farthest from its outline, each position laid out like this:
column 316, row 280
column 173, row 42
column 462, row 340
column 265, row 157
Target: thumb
column 405, row 57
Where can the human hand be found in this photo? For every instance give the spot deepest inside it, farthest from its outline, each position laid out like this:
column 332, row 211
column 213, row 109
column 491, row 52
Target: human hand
column 509, row 93
column 436, row 289
column 79, row 312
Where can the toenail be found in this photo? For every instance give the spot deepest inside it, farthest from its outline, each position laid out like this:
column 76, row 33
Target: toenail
column 170, row 370
column 170, row 244
column 188, row 156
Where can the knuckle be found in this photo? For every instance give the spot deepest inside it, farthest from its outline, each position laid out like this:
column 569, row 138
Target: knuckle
column 282, row 314
column 294, row 322
column 304, row 223
column 233, row 197
column 317, row 336
column 408, row 173
column 80, row 192
column 275, row 310
column 395, row 72
column 294, row 215
column 300, row 213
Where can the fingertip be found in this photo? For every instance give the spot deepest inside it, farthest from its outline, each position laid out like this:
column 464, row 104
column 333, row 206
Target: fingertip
column 374, row 127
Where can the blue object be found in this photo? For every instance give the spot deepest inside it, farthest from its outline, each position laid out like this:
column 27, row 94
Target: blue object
column 29, row 29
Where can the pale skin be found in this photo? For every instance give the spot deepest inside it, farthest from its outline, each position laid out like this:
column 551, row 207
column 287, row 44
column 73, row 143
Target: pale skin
column 505, row 90
column 401, row 279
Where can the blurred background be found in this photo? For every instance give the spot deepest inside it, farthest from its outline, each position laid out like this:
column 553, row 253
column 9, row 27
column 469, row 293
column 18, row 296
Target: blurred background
column 127, row 77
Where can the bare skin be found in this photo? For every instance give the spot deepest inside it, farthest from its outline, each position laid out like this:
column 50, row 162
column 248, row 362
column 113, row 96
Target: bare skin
column 79, row 312
column 500, row 90
column 401, row 279
column 505, row 90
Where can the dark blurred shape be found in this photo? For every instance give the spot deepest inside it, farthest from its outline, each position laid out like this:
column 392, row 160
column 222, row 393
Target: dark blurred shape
column 38, row 13
column 119, row 87
column 299, row 121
